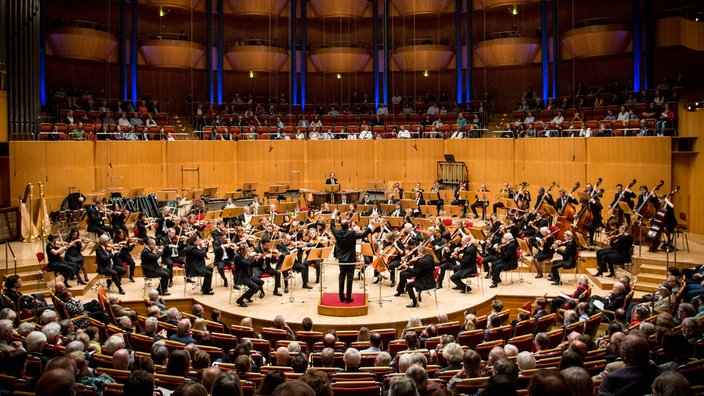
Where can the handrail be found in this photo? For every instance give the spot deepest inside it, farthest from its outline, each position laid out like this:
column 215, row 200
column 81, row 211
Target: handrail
column 14, row 258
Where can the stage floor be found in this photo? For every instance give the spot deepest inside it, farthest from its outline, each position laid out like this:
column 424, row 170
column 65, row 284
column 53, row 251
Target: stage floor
column 380, row 314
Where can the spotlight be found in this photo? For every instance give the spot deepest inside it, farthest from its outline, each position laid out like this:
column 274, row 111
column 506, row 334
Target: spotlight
column 161, row 12
column 514, row 11
column 426, row 73
column 339, row 75
column 251, row 74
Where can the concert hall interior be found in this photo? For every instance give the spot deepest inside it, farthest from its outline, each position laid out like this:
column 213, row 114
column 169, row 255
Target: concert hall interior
column 238, row 143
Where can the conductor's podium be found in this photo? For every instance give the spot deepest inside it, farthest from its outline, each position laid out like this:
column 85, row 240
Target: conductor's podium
column 330, row 304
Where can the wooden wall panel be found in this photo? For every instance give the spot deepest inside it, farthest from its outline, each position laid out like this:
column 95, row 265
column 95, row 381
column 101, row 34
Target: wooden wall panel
column 489, row 161
column 268, row 162
column 127, row 165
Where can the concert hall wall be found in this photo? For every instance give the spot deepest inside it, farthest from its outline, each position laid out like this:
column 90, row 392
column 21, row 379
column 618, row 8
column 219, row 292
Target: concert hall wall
column 226, row 164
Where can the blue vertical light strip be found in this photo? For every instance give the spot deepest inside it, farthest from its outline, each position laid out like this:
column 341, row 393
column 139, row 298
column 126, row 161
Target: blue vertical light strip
column 468, row 41
column 122, row 51
column 637, row 45
column 387, row 68
column 649, row 44
column 304, row 53
column 42, row 51
column 458, row 48
column 545, row 45
column 134, row 57
column 221, row 49
column 555, row 47
column 375, row 50
column 209, row 50
column 292, row 73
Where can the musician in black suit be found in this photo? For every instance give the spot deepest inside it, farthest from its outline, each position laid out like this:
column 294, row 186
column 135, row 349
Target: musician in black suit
column 151, row 268
column 243, row 275
column 398, row 211
column 423, row 271
column 173, row 252
column 569, row 258
column 478, row 203
column 331, row 179
column 346, row 241
column 563, row 200
column 164, row 221
column 286, row 247
column 416, row 212
column 507, row 258
column 366, row 200
column 374, row 209
column 265, row 258
column 108, row 264
column 618, row 253
column 443, row 249
column 626, row 196
column 467, row 256
column 547, row 199
column 196, row 252
column 245, row 218
column 224, row 255
column 96, row 215
column 437, row 201
column 508, row 191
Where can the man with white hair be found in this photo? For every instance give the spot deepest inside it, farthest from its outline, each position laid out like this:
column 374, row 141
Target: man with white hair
column 525, row 361
column 112, row 344
column 352, row 360
column 52, row 331
column 507, row 258
column 402, row 386
column 109, row 264
column 173, row 316
column 183, row 333
column 151, row 325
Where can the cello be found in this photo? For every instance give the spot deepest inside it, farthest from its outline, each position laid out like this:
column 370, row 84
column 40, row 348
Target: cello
column 652, row 238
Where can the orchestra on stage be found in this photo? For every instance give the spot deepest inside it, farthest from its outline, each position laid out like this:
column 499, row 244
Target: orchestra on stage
column 411, row 245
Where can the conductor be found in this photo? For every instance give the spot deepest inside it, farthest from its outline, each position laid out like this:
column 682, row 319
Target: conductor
column 332, row 179
column 344, row 252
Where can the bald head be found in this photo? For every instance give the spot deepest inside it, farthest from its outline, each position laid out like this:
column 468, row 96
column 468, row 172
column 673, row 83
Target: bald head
column 282, row 356
column 121, row 359
column 59, row 382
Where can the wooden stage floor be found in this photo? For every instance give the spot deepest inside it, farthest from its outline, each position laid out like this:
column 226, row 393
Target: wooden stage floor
column 379, row 315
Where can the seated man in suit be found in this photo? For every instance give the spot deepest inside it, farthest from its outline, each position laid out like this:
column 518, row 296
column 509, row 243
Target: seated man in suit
column 569, row 258
column 423, row 271
column 109, row 264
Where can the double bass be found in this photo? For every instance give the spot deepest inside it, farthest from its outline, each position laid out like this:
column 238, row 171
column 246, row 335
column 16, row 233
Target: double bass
column 615, row 213
column 652, row 238
column 566, row 215
column 645, row 211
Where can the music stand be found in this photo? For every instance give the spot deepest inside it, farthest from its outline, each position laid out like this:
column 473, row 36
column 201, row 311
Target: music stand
column 387, row 208
column 205, row 234
column 582, row 242
column 212, row 215
column 332, row 189
column 407, row 204
column 210, row 191
column 134, row 192
column 367, row 251
column 248, row 189
column 287, row 265
column 319, row 254
column 229, row 213
column 477, row 233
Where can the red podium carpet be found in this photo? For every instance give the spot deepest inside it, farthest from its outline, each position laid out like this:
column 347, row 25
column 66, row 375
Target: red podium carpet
column 330, row 305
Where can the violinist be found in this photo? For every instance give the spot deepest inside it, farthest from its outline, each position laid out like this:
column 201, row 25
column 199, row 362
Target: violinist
column 313, row 242
column 196, row 252
column 125, row 250
column 141, row 227
column 626, row 196
column 96, row 216
column 164, row 221
column 54, row 250
column 224, row 255
column 193, row 226
column 507, row 260
column 286, row 247
column 391, row 251
column 109, row 264
column 443, row 250
column 423, row 272
column 74, row 255
column 243, row 275
column 408, row 260
column 569, row 258
column 532, row 225
column 264, row 259
column 618, row 253
column 173, row 251
column 466, row 256
column 545, row 243
column 151, row 268
column 119, row 216
column 286, row 222
column 479, row 203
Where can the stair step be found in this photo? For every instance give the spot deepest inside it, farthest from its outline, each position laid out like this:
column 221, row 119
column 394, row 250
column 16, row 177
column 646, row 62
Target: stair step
column 600, row 282
column 653, row 269
column 652, row 278
column 646, row 286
